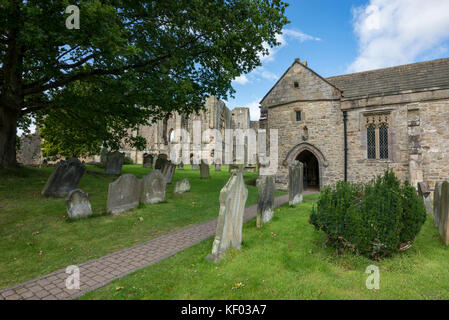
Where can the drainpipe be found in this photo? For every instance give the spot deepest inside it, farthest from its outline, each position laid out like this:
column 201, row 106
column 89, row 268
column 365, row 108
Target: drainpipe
column 345, row 129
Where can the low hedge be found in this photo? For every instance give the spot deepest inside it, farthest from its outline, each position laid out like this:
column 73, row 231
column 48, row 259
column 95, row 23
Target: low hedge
column 374, row 219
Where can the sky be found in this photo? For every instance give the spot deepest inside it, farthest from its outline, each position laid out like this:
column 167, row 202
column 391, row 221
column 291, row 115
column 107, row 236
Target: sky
column 340, row 37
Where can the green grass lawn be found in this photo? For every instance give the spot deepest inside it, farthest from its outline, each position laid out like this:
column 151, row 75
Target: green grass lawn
column 288, row 259
column 36, row 237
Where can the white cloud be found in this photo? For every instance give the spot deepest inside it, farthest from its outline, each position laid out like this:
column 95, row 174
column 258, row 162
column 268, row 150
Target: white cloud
column 254, row 110
column 241, row 79
column 398, row 32
column 287, row 34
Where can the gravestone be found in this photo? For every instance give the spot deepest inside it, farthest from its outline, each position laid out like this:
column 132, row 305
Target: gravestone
column 153, row 188
column 218, row 167
column 182, row 186
column 161, row 161
column 114, row 163
column 168, row 171
column 295, row 183
column 424, row 193
column 103, row 157
column 195, row 166
column 265, row 200
column 64, row 178
column 148, row 160
column 123, row 194
column 436, row 203
column 204, row 170
column 181, row 166
column 443, row 218
column 78, row 204
column 230, row 219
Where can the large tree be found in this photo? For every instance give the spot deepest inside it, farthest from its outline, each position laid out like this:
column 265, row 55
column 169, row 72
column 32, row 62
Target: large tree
column 145, row 58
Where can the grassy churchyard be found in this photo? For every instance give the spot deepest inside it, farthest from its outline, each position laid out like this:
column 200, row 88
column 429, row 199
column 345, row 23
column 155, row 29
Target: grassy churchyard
column 288, row 259
column 37, row 238
column 285, row 259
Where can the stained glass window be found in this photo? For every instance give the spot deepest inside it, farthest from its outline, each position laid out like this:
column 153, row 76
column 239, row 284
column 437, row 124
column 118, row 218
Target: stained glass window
column 383, row 141
column 371, row 141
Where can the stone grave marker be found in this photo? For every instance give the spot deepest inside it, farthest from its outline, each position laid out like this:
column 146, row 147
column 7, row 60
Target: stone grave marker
column 443, row 219
column 161, row 161
column 182, row 186
column 424, row 193
column 123, row 194
column 153, row 188
column 436, row 203
column 204, row 170
column 168, row 171
column 78, row 204
column 64, row 178
column 265, row 199
column 230, row 219
column 114, row 163
column 295, row 183
column 148, row 160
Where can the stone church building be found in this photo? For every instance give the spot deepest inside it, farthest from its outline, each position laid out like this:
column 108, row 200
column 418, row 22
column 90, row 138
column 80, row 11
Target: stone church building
column 353, row 127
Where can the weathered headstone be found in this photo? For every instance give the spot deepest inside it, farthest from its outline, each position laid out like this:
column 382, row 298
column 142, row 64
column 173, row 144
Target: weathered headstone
column 153, row 188
column 103, row 157
column 64, row 179
column 204, row 170
column 161, row 161
column 218, row 167
column 424, row 193
column 436, row 203
column 78, row 204
column 265, row 200
column 443, row 219
column 230, row 219
column 195, row 166
column 123, row 194
column 114, row 163
column 182, row 186
column 148, row 160
column 181, row 166
column 295, row 183
column 168, row 171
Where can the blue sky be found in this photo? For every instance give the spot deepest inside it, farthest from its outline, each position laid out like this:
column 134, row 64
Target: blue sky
column 338, row 37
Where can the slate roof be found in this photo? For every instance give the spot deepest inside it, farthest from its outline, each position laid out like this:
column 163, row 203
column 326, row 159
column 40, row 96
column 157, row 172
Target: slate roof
column 411, row 77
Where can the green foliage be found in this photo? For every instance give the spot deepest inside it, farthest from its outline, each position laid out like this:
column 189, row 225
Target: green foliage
column 130, row 60
column 373, row 219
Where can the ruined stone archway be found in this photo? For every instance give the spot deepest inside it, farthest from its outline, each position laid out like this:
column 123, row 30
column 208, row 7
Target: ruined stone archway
column 313, row 160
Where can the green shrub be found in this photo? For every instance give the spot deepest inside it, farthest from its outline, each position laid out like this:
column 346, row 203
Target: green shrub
column 375, row 219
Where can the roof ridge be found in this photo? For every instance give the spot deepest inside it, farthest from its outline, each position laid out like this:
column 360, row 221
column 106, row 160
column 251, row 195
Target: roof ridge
column 388, row 68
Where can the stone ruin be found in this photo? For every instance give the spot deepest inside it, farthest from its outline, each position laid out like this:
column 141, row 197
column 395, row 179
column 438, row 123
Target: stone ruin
column 230, row 219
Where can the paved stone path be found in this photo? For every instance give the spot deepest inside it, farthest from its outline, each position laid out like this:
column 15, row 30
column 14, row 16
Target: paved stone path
column 99, row 272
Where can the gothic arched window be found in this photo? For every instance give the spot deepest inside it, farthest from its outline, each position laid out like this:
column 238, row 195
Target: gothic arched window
column 371, row 141
column 383, row 141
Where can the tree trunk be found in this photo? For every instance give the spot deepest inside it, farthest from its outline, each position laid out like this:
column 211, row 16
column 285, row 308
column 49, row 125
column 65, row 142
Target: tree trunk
column 8, row 131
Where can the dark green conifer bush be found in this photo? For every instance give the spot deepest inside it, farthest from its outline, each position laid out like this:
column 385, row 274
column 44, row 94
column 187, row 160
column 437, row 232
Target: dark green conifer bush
column 375, row 219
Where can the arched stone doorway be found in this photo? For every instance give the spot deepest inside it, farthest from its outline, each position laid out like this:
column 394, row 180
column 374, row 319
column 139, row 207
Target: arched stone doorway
column 314, row 162
column 311, row 170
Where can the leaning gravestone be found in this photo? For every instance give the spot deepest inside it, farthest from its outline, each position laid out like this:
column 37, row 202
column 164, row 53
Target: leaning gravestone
column 182, row 186
column 114, row 163
column 295, row 183
column 204, row 170
column 424, row 193
column 436, row 203
column 123, row 193
column 78, row 204
column 148, row 160
column 168, row 171
column 265, row 200
column 230, row 219
column 443, row 219
column 153, row 188
column 161, row 161
column 64, row 179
